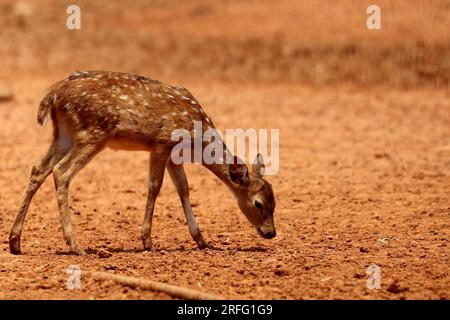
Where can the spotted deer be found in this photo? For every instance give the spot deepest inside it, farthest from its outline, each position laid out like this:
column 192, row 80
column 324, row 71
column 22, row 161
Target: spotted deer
column 92, row 110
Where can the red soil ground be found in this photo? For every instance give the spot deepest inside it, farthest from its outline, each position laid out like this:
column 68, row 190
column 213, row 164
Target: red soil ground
column 364, row 148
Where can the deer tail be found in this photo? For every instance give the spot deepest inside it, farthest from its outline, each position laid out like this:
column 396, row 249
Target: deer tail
column 45, row 108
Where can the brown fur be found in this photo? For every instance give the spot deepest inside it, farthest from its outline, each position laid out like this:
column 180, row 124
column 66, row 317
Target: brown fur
column 91, row 110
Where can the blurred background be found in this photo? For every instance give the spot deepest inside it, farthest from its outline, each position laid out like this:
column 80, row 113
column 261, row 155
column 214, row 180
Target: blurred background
column 313, row 42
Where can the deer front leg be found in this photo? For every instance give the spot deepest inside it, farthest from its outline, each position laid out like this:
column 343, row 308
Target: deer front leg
column 158, row 162
column 181, row 184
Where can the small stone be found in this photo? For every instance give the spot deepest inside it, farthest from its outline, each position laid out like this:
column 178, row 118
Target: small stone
column 102, row 253
column 5, row 94
column 363, row 250
column 396, row 288
column 44, row 286
column 281, row 272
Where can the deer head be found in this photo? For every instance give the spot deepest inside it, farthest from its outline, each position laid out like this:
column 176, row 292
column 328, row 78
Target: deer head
column 254, row 195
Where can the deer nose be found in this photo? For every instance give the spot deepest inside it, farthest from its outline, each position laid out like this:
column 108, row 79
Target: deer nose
column 268, row 234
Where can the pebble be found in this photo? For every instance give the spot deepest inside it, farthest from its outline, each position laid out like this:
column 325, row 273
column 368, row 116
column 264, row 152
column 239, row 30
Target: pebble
column 281, row 272
column 5, row 94
column 102, row 253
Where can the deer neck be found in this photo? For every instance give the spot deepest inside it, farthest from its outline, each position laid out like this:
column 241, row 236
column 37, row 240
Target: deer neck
column 221, row 171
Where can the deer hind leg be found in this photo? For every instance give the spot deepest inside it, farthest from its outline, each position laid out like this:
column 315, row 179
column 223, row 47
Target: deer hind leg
column 72, row 163
column 158, row 160
column 181, row 184
column 39, row 172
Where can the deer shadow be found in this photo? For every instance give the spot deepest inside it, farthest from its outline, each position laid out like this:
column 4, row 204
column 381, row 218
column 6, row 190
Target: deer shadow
column 94, row 251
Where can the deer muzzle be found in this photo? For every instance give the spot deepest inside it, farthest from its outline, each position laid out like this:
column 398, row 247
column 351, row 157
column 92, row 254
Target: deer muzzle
column 267, row 231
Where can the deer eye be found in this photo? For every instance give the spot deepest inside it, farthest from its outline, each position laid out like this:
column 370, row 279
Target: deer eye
column 258, row 205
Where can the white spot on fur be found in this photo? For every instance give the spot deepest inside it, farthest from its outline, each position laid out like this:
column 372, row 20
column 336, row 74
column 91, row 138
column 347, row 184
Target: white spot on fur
column 134, row 112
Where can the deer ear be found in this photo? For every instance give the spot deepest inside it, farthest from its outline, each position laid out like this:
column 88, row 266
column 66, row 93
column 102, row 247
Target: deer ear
column 239, row 172
column 259, row 166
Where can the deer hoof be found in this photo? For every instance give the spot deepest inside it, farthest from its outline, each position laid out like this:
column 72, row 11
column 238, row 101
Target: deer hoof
column 14, row 248
column 14, row 245
column 202, row 244
column 147, row 244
